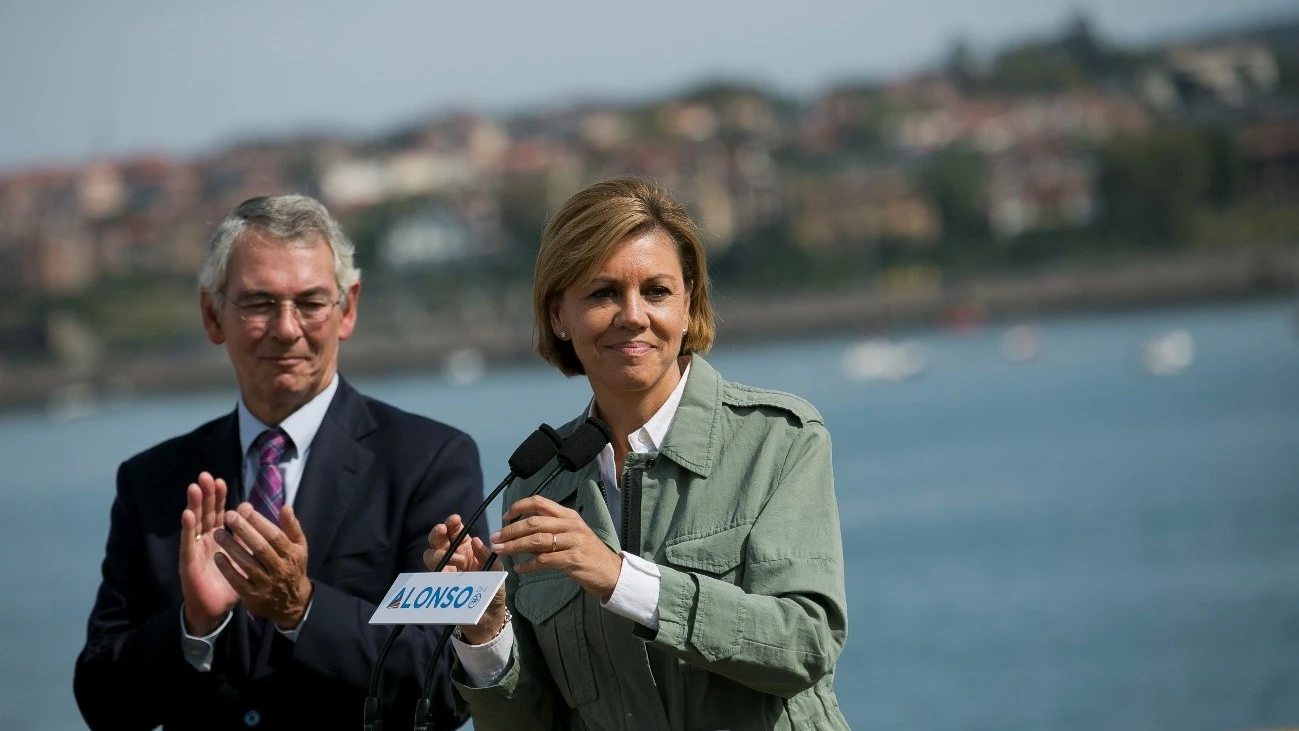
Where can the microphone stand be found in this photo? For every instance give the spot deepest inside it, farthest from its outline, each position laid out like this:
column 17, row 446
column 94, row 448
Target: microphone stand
column 373, row 711
column 424, row 706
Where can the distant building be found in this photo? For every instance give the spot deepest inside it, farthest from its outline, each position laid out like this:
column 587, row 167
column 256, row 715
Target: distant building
column 476, row 142
column 58, row 259
column 358, row 183
column 604, row 129
column 1040, row 190
column 693, row 121
column 862, row 208
column 101, row 190
column 995, row 126
column 1271, row 153
column 1229, row 74
column 430, row 237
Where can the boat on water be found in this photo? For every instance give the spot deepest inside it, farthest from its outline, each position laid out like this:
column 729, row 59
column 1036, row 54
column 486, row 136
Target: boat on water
column 883, row 360
column 1168, row 354
column 1021, row 343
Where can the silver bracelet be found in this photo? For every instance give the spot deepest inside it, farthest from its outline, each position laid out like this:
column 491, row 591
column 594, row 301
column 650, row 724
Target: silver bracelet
column 460, row 635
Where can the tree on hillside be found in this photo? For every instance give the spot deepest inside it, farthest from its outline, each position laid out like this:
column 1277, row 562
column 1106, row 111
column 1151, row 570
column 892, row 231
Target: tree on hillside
column 961, row 65
column 1152, row 186
column 1034, row 69
column 1078, row 57
column 955, row 180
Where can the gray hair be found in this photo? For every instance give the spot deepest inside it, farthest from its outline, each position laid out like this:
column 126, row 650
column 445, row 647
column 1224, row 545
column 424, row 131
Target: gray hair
column 284, row 217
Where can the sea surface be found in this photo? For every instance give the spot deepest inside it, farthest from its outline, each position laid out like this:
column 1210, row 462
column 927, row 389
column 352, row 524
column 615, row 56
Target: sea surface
column 1062, row 543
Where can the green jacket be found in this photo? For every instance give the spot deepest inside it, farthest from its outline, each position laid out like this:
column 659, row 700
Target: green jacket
column 738, row 511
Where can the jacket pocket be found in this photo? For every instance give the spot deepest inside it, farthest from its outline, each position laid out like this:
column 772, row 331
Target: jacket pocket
column 717, row 555
column 719, row 552
column 556, row 608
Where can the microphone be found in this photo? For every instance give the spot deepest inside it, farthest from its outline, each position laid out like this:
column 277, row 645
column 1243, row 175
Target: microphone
column 583, row 445
column 528, row 459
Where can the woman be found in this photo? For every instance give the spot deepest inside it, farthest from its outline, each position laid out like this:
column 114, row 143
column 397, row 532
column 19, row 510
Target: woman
column 692, row 576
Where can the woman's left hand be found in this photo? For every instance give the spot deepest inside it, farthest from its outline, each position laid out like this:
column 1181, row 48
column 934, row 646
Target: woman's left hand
column 559, row 540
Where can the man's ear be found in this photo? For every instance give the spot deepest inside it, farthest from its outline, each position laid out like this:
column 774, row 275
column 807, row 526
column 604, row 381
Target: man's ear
column 348, row 323
column 211, row 318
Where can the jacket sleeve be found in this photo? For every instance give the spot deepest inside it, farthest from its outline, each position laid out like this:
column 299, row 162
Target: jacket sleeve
column 783, row 627
column 132, row 674
column 337, row 640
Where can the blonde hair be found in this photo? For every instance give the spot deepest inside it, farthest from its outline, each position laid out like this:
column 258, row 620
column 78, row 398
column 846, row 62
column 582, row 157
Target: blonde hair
column 581, row 238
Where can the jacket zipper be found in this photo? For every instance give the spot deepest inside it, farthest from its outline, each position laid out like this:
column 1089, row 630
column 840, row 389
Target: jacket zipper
column 631, row 486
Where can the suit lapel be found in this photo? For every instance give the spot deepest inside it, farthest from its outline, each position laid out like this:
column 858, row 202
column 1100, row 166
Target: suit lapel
column 219, row 454
column 332, row 477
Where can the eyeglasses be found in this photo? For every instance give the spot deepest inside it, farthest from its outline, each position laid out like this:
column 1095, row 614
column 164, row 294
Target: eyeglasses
column 309, row 311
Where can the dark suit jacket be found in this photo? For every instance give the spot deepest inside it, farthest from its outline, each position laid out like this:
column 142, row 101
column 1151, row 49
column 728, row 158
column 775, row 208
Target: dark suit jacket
column 376, row 481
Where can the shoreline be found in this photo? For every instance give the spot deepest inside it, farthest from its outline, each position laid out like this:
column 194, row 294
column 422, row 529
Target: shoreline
column 1187, row 279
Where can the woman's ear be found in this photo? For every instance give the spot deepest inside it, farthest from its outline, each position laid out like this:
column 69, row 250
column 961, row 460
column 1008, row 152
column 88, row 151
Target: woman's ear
column 556, row 325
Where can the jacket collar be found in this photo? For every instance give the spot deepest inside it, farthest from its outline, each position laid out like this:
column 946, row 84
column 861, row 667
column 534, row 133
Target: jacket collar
column 694, row 440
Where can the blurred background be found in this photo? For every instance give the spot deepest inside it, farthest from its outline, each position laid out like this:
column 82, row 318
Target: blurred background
column 1036, row 261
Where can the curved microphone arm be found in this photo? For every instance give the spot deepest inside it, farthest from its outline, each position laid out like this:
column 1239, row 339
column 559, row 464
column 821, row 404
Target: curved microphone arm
column 534, row 453
column 582, row 446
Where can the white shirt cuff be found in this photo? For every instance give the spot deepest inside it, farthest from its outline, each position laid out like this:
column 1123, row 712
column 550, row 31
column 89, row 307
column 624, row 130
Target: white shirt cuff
column 199, row 651
column 636, row 595
column 292, row 634
column 487, row 663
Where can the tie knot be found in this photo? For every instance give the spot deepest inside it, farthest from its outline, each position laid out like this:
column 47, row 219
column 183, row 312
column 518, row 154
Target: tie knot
column 271, row 446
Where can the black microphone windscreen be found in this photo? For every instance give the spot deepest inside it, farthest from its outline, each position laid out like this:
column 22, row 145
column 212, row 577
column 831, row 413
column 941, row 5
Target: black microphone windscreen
column 603, row 427
column 584, row 444
column 535, row 451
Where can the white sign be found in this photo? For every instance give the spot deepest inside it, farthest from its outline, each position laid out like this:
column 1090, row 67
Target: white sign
column 438, row 598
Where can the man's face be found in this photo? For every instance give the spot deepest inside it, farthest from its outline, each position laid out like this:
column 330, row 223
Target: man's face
column 280, row 363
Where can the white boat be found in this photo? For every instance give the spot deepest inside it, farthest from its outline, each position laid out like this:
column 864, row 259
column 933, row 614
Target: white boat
column 1167, row 355
column 1021, row 344
column 465, row 366
column 71, row 402
column 882, row 360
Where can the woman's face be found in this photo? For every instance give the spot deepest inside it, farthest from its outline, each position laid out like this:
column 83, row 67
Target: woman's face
column 626, row 322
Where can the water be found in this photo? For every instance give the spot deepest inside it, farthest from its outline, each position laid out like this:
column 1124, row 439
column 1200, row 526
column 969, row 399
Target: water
column 1062, row 544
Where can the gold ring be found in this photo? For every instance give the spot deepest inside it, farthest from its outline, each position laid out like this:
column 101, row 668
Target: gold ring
column 553, row 538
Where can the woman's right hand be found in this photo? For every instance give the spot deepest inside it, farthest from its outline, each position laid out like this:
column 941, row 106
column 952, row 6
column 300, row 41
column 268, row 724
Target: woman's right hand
column 468, row 556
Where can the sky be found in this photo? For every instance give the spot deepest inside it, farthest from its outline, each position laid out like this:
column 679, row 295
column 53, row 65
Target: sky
column 84, row 80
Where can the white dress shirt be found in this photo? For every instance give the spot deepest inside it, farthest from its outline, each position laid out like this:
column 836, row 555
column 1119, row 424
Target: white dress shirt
column 636, row 595
column 301, row 426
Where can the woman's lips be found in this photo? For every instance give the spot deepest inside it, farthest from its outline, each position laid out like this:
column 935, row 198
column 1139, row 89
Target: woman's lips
column 632, row 348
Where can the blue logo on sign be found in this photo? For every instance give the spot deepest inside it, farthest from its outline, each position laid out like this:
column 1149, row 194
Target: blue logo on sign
column 443, row 597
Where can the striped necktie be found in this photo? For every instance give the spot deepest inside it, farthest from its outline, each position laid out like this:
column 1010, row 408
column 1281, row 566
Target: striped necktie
column 271, row 447
column 267, row 497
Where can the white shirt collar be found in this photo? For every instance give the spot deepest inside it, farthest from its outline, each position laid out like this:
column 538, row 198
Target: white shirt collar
column 649, row 438
column 301, row 425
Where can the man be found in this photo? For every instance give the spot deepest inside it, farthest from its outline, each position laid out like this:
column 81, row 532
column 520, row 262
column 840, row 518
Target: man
column 245, row 558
